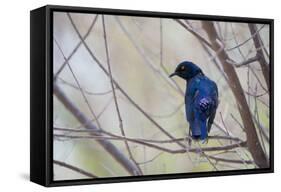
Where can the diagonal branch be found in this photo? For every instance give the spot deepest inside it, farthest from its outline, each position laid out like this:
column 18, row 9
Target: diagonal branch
column 260, row 54
column 197, row 35
column 148, row 61
column 79, row 86
column 230, row 160
column 161, row 58
column 247, row 40
column 155, row 146
column 72, row 130
column 235, row 85
column 114, row 95
column 73, row 168
column 107, row 145
column 61, row 80
column 75, row 48
column 119, row 87
column 243, row 63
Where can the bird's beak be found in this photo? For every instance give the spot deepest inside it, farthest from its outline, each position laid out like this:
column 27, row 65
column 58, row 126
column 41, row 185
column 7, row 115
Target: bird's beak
column 173, row 74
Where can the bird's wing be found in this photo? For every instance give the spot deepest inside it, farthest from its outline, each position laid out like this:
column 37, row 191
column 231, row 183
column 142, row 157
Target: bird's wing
column 211, row 120
column 191, row 94
column 214, row 108
column 189, row 108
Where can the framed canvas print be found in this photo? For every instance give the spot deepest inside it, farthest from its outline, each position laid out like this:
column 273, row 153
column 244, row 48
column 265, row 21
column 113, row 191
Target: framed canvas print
column 120, row 95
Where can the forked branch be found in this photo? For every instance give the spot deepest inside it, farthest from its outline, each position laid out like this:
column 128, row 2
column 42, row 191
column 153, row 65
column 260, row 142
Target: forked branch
column 107, row 145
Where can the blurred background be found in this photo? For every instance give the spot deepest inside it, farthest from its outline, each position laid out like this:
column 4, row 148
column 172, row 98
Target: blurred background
column 142, row 52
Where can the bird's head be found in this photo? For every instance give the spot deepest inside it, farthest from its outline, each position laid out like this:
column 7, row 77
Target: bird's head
column 186, row 70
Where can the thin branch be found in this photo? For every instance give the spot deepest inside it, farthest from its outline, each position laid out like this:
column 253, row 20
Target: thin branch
column 100, row 113
column 76, row 48
column 78, row 84
column 84, row 90
column 212, row 58
column 141, row 139
column 258, row 79
column 119, row 87
column 169, row 114
column 151, row 160
column 142, row 142
column 262, row 128
column 246, row 62
column 206, row 156
column 224, row 124
column 255, row 94
column 236, row 120
column 256, row 113
column 236, row 88
column 73, row 168
column 92, row 120
column 236, row 41
column 107, row 145
column 230, row 134
column 244, row 42
column 197, row 35
column 148, row 61
column 161, row 58
column 235, row 150
column 114, row 96
column 231, row 160
column 260, row 53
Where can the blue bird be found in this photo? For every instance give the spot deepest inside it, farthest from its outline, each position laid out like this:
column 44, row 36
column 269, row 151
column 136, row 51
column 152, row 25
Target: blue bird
column 201, row 99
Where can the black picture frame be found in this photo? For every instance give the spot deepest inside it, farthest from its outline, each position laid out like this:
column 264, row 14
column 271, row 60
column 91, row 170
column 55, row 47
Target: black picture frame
column 41, row 108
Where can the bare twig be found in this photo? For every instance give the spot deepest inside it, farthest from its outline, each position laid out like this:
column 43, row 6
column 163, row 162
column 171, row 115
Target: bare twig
column 224, row 124
column 246, row 62
column 100, row 113
column 151, row 145
column 84, row 90
column 76, row 48
column 161, row 59
column 148, row 61
column 262, row 128
column 235, row 85
column 258, row 79
column 261, row 58
column 79, row 86
column 114, row 95
column 151, row 160
column 256, row 113
column 169, row 114
column 197, row 35
column 119, row 87
column 235, row 150
column 108, row 146
column 238, row 122
column 76, row 169
column 206, row 156
column 236, row 41
column 72, row 130
column 230, row 160
column 244, row 42
column 256, row 94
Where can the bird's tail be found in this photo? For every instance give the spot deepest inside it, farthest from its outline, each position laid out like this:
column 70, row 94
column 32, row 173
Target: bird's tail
column 199, row 127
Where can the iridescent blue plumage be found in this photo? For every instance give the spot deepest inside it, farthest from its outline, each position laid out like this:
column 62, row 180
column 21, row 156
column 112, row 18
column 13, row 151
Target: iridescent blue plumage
column 201, row 99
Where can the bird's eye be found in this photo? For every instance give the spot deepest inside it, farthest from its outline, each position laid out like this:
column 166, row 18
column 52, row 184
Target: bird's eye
column 182, row 68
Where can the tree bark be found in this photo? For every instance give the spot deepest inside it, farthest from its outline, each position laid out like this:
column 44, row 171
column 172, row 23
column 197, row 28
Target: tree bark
column 253, row 142
column 260, row 55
